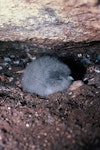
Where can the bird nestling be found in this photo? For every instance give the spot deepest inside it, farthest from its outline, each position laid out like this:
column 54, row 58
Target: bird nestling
column 46, row 75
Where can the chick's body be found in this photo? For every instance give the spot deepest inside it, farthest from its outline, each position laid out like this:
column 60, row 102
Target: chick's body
column 46, row 75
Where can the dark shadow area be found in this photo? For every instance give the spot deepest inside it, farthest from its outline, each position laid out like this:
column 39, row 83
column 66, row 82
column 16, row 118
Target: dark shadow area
column 77, row 68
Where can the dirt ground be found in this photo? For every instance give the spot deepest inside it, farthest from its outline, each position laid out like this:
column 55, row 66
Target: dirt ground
column 68, row 120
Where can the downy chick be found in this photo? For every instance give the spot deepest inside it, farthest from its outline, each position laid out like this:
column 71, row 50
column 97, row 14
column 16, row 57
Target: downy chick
column 46, row 75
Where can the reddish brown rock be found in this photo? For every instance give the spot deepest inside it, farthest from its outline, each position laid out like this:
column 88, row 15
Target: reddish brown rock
column 54, row 20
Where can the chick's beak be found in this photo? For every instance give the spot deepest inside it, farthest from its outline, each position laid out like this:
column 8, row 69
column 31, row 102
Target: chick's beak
column 70, row 78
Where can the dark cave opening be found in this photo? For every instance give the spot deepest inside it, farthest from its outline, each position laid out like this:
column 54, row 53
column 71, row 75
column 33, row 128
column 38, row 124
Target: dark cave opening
column 78, row 69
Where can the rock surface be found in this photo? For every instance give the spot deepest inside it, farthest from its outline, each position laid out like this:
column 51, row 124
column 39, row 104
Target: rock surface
column 65, row 21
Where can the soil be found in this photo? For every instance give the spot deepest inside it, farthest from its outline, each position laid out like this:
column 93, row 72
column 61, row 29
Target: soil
column 68, row 120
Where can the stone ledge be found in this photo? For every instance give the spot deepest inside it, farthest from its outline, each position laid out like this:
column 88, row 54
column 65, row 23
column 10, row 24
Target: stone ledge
column 54, row 20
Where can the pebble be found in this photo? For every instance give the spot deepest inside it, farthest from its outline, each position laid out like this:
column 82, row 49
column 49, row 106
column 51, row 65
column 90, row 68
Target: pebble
column 98, row 59
column 75, row 85
column 97, row 70
column 86, row 60
column 1, row 67
column 5, row 64
column 11, row 79
column 27, row 125
column 16, row 62
column 79, row 55
column 7, row 59
column 9, row 108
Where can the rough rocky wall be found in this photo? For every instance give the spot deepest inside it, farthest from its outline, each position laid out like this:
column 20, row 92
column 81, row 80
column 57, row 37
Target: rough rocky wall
column 63, row 20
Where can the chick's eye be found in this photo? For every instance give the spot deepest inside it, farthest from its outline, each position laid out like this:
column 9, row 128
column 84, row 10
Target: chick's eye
column 60, row 77
column 54, row 75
